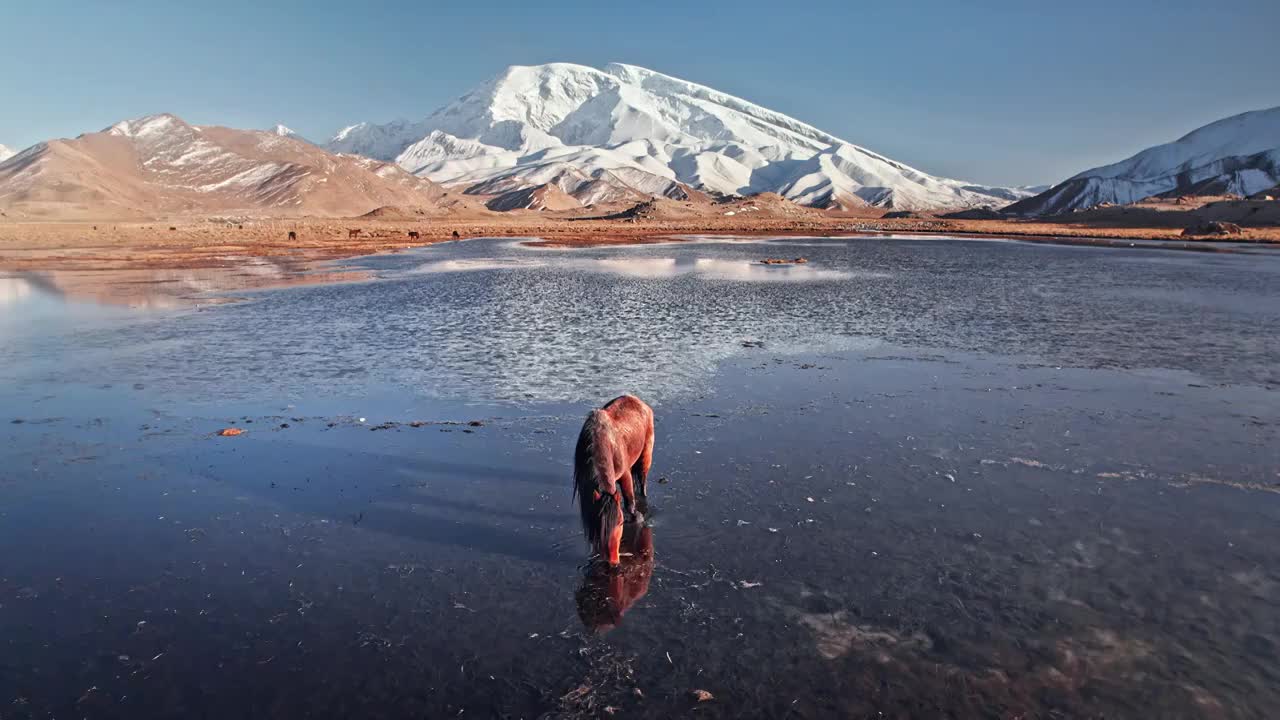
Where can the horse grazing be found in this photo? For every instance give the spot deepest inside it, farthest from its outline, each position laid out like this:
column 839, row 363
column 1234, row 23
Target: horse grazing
column 414, row 234
column 608, row 592
column 612, row 459
column 293, row 235
column 353, row 234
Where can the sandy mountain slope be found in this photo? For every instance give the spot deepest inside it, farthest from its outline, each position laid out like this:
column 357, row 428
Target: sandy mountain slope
column 539, row 197
column 160, row 165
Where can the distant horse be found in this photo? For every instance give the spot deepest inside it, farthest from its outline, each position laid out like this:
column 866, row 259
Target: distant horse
column 293, row 235
column 413, row 234
column 611, row 461
column 607, row 592
column 353, row 234
column 456, row 235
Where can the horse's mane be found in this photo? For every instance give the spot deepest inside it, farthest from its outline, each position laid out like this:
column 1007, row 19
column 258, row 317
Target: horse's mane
column 595, row 431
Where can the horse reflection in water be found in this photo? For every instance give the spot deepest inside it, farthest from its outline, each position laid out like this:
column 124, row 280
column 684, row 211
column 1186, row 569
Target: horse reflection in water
column 608, row 591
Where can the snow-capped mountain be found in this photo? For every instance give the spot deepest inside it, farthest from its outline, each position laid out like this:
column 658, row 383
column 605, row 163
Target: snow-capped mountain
column 381, row 142
column 159, row 164
column 1239, row 155
column 6, row 153
column 638, row 131
column 286, row 131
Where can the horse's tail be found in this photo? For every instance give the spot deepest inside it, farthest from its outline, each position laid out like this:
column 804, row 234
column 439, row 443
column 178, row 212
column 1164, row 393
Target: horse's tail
column 599, row 509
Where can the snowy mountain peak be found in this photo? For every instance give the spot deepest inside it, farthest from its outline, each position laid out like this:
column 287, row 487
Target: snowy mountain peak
column 1237, row 155
column 147, row 126
column 541, row 96
column 531, row 123
column 285, row 131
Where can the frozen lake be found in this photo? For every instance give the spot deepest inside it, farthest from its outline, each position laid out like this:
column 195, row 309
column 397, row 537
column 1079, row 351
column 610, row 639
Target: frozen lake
column 915, row 477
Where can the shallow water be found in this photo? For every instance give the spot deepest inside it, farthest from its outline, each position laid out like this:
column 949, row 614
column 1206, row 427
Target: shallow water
column 909, row 477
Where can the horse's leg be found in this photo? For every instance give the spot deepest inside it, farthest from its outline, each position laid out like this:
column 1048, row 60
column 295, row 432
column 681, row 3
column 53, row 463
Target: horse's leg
column 613, row 535
column 637, row 480
column 621, row 475
column 627, row 487
column 641, row 468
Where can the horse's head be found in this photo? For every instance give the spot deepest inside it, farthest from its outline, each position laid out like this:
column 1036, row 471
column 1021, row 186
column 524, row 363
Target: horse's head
column 608, row 592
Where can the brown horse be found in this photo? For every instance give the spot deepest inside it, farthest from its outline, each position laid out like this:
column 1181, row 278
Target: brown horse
column 353, row 234
column 607, row 592
column 414, row 234
column 293, row 235
column 612, row 459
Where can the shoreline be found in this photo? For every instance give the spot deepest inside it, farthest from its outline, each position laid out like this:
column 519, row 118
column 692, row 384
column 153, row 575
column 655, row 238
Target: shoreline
column 179, row 262
column 204, row 243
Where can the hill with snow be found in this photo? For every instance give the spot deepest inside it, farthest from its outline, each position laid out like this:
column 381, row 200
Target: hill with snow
column 1239, row 155
column 159, row 164
column 286, row 131
column 624, row 131
column 6, row 153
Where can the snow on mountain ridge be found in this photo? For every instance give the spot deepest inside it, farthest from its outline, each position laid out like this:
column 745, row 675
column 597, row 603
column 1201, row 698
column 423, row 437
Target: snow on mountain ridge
column 1237, row 155
column 380, row 142
column 145, row 126
column 6, row 153
column 1240, row 135
column 527, row 121
column 656, row 81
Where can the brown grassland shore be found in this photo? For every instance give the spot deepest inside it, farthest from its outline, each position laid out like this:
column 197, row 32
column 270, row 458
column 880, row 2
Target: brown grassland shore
column 138, row 261
column 201, row 243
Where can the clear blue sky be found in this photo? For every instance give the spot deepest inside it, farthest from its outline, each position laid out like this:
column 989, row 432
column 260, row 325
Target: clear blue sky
column 998, row 92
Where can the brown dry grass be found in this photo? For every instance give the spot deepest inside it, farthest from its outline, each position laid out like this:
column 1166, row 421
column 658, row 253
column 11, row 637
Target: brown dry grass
column 147, row 263
column 213, row 243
